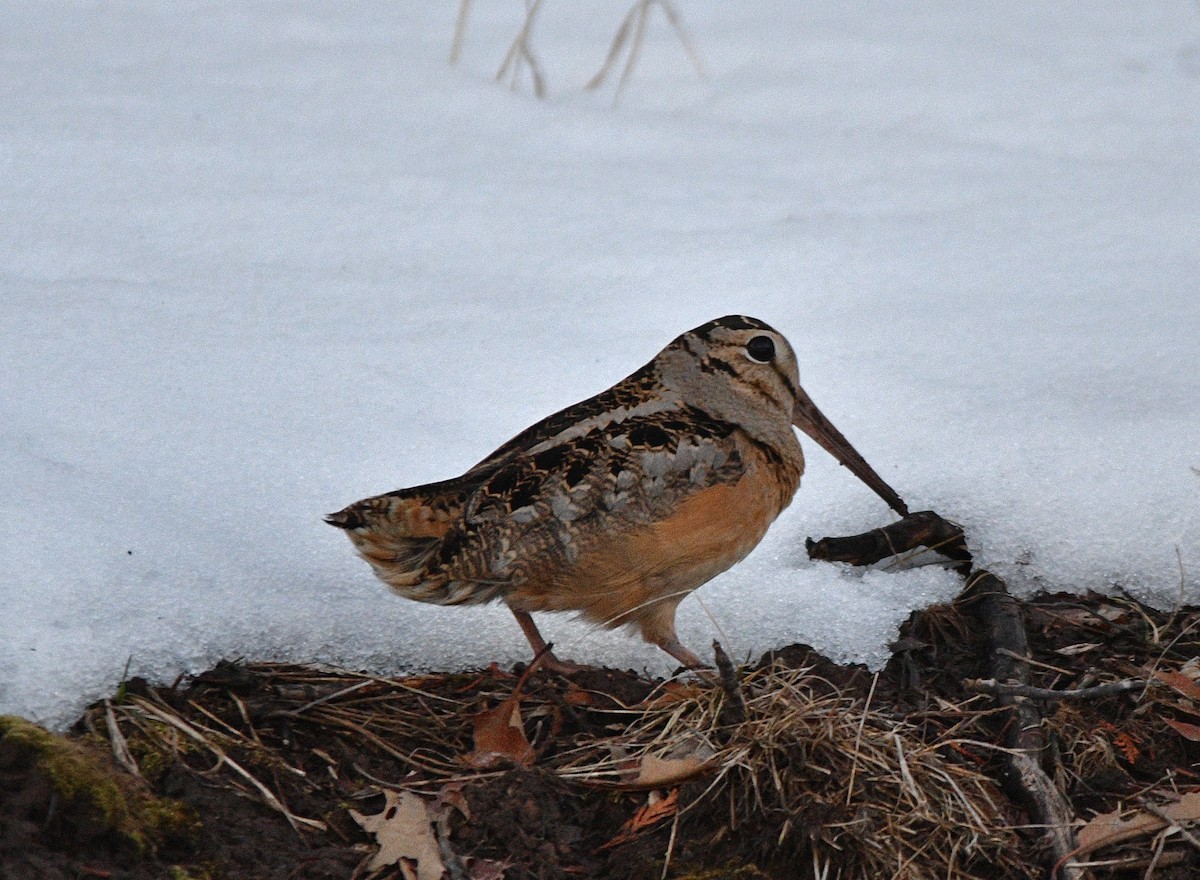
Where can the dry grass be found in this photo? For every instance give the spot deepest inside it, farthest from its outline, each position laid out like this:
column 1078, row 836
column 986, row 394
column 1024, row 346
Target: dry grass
column 626, row 44
column 891, row 777
column 815, row 778
column 810, row 777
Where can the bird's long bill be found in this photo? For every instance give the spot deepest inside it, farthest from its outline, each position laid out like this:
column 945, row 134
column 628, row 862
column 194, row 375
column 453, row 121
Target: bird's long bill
column 812, row 422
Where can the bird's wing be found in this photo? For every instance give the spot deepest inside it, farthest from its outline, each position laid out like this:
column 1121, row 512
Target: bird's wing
column 540, row 508
column 632, row 396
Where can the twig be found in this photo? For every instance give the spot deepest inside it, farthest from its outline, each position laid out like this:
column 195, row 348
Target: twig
column 670, row 846
column 632, row 31
column 906, row 774
column 680, row 31
column 292, row 713
column 267, row 795
column 1026, row 659
column 120, row 747
column 1159, row 845
column 858, row 738
column 519, row 51
column 460, row 27
column 614, row 49
column 1179, row 599
column 245, row 718
column 1135, row 863
column 451, row 860
column 1000, row 615
column 635, row 46
column 380, row 743
column 1010, row 689
column 922, row 529
column 1159, row 813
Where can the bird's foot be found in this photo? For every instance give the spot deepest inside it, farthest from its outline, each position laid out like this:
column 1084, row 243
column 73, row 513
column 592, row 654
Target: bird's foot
column 691, row 662
column 551, row 663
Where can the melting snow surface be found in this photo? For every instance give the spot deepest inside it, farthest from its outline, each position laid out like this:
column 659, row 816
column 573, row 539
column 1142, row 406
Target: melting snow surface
column 261, row 259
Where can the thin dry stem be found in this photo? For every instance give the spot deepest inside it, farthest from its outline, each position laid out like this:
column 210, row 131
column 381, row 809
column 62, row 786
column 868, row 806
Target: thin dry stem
column 460, row 29
column 632, row 33
column 195, row 734
column 520, row 51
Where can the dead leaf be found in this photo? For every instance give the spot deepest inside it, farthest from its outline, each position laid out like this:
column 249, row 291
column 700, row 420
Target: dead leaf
column 671, row 693
column 1128, row 744
column 404, row 834
column 500, row 737
column 484, row 869
column 577, row 696
column 1075, row 617
column 1187, row 708
column 656, row 809
column 654, row 772
column 1081, row 648
column 1111, row 612
column 449, row 797
column 687, row 758
column 1187, row 731
column 1108, row 829
column 1178, row 682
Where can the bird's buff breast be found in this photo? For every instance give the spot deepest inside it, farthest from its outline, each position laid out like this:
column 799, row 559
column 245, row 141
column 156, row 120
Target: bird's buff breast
column 620, row 579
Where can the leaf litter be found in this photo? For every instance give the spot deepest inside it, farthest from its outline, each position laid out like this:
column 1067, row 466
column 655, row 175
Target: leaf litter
column 300, row 772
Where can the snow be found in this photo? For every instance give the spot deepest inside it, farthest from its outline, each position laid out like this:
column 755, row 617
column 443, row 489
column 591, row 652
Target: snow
column 260, row 259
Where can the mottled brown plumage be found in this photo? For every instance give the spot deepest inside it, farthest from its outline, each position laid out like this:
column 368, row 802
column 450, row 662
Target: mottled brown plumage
column 619, row 506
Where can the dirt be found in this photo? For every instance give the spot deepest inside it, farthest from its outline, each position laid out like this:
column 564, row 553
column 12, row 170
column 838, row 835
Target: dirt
column 325, row 743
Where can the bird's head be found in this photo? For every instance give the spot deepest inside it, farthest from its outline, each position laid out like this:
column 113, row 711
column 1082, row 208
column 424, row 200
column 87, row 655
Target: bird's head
column 744, row 371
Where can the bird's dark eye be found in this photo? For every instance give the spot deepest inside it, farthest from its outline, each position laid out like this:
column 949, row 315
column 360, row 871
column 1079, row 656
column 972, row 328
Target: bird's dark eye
column 761, row 349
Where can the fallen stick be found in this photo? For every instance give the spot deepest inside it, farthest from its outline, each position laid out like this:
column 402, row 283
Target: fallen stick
column 922, row 529
column 1172, row 823
column 734, row 710
column 1008, row 689
column 999, row 615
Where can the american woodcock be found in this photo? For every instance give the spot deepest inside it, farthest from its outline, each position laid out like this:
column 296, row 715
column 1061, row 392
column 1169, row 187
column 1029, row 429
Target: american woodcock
column 621, row 505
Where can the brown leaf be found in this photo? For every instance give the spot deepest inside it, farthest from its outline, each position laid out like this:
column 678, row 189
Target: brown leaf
column 577, row 696
column 687, row 758
column 449, row 798
column 1108, row 829
column 654, row 772
column 404, row 835
column 1075, row 617
column 1190, row 709
column 1128, row 744
column 671, row 693
column 484, row 869
column 500, row 737
column 1187, row 731
column 1180, row 683
column 656, row 809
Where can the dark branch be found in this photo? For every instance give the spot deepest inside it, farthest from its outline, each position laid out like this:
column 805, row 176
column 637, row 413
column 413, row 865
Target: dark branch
column 734, row 710
column 922, row 529
column 1008, row 689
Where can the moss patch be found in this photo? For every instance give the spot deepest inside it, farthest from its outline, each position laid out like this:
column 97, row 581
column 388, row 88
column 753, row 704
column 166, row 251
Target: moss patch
column 90, row 795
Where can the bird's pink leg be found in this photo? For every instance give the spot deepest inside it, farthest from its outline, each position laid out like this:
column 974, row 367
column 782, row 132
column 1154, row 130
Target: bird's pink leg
column 549, row 661
column 658, row 627
column 680, row 652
